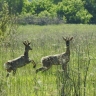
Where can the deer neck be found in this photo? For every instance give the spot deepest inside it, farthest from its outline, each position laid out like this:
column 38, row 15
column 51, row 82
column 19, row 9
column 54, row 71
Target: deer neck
column 26, row 54
column 68, row 50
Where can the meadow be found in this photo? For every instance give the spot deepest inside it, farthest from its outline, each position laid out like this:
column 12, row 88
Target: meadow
column 47, row 40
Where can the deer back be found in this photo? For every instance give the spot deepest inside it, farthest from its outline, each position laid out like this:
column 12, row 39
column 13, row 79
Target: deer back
column 17, row 62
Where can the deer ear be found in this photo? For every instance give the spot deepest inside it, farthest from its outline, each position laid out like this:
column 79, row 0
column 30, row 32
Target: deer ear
column 71, row 38
column 29, row 43
column 24, row 42
column 64, row 39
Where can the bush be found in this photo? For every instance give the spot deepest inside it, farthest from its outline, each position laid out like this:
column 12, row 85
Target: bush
column 83, row 16
column 41, row 20
column 73, row 11
column 4, row 18
column 7, row 22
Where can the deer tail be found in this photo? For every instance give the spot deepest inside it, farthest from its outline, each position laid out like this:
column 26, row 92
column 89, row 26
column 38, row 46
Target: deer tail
column 7, row 65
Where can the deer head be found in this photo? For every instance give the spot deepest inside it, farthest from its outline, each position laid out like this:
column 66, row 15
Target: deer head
column 27, row 45
column 67, row 40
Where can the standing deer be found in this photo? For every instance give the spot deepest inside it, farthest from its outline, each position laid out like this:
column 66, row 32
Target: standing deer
column 21, row 61
column 58, row 59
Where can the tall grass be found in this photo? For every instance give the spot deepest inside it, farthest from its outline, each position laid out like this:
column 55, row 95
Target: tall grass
column 47, row 40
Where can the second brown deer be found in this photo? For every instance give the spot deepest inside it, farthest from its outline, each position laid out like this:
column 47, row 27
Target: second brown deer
column 58, row 59
column 21, row 61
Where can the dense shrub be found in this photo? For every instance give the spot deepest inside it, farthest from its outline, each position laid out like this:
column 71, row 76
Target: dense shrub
column 90, row 5
column 73, row 11
column 45, row 20
column 4, row 18
column 8, row 24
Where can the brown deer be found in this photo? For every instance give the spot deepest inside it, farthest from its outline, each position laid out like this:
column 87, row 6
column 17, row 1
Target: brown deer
column 58, row 59
column 21, row 61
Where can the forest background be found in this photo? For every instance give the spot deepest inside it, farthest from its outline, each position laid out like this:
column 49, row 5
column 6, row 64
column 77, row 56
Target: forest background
column 44, row 12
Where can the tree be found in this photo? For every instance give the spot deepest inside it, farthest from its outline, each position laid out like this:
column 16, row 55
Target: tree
column 7, row 21
column 90, row 5
column 4, row 17
column 15, row 6
column 56, row 1
column 74, row 11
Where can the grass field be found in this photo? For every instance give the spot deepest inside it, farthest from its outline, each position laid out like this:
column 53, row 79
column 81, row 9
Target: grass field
column 47, row 40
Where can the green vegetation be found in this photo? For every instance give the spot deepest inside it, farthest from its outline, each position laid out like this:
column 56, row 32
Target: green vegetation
column 7, row 21
column 68, row 11
column 47, row 40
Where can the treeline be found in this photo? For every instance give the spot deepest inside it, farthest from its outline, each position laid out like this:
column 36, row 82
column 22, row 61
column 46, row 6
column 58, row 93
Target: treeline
column 52, row 11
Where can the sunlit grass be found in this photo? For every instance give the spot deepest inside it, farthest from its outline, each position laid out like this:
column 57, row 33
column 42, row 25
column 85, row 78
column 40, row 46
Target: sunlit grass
column 47, row 40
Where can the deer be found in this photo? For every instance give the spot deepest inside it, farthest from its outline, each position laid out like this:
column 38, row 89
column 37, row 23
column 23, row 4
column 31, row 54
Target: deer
column 12, row 65
column 58, row 59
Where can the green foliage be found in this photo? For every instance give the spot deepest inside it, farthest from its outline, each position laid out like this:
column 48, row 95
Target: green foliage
column 90, row 5
column 26, row 7
column 83, row 16
column 4, row 18
column 7, row 21
column 44, row 14
column 73, row 11
column 15, row 6
column 38, row 6
column 55, row 1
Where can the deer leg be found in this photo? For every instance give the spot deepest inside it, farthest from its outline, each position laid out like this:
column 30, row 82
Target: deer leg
column 44, row 68
column 8, row 72
column 40, row 69
column 14, row 71
column 64, row 67
column 34, row 64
